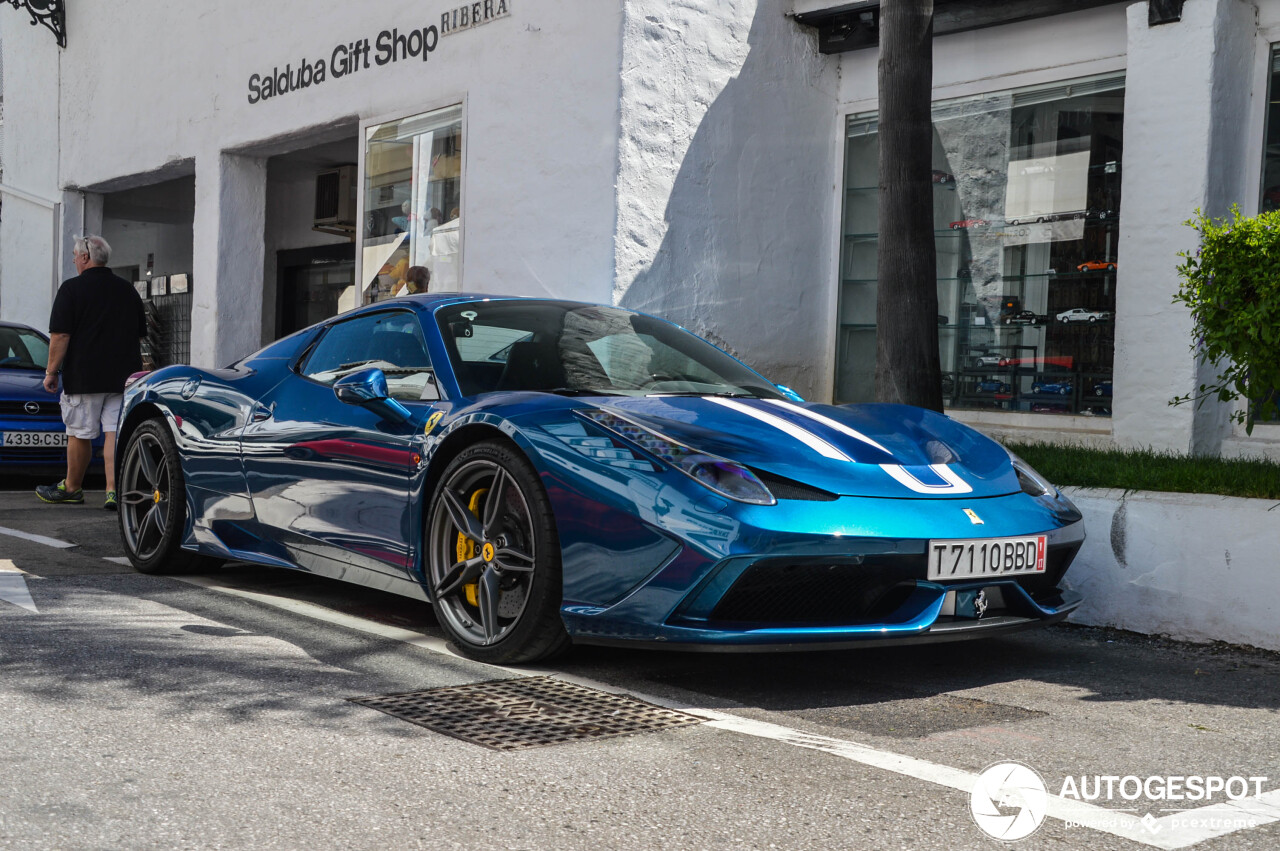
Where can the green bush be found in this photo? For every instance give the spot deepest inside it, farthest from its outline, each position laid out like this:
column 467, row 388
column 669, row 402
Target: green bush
column 1232, row 285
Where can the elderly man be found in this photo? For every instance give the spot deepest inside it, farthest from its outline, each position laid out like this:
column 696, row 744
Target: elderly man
column 94, row 329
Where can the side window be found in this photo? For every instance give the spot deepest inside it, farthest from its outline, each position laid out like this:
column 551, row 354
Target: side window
column 392, row 342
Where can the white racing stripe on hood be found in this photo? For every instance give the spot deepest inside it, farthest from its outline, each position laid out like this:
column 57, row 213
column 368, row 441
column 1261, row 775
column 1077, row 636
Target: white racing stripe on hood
column 954, row 484
column 828, row 422
column 807, row 438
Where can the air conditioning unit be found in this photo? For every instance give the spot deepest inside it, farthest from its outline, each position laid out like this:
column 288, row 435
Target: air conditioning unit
column 336, row 201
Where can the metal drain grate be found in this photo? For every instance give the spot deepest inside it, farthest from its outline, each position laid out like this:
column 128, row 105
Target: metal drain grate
column 529, row 712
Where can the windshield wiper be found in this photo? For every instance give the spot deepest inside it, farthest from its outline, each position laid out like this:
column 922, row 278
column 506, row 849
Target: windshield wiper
column 723, row 394
column 582, row 391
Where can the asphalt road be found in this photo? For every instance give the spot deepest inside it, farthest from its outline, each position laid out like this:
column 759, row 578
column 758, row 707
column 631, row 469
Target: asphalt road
column 154, row 712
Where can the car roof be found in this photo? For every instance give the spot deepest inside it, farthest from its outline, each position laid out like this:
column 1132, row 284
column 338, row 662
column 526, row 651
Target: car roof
column 5, row 323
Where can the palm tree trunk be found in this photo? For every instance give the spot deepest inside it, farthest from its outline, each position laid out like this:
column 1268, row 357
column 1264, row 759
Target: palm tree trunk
column 907, row 364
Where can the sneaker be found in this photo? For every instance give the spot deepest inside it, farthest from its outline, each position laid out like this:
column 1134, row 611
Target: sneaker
column 110, row 503
column 58, row 493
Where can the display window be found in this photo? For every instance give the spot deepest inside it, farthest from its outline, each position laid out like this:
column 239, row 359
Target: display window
column 412, row 205
column 1270, row 199
column 1026, row 203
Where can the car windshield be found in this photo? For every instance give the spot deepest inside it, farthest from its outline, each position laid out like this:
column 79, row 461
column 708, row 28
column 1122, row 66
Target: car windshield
column 571, row 348
column 22, row 348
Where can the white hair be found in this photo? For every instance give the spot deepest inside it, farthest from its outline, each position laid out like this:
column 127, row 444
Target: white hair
column 97, row 249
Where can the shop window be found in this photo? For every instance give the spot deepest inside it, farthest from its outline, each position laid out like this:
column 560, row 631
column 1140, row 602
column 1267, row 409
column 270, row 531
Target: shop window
column 412, row 203
column 1270, row 199
column 1026, row 202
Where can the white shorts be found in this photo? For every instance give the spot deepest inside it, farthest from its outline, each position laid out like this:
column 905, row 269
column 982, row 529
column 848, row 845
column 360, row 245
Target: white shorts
column 89, row 414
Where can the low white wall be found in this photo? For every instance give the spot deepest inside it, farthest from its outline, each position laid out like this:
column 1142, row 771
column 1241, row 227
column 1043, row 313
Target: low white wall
column 1195, row 567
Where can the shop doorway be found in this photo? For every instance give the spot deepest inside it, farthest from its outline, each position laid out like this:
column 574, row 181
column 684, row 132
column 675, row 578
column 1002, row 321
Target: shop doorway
column 149, row 229
column 311, row 285
column 310, row 234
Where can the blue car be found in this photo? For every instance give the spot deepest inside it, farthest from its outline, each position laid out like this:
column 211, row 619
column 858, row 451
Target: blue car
column 32, row 434
column 1060, row 388
column 547, row 472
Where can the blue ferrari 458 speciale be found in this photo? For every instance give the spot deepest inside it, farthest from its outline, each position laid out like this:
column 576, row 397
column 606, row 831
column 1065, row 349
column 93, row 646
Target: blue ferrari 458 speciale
column 547, row 472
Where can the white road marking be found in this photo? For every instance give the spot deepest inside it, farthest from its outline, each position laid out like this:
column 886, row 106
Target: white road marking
column 118, row 560
column 39, row 539
column 13, row 586
column 809, row 439
column 1169, row 832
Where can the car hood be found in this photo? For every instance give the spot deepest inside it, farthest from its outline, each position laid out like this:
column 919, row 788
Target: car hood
column 24, row 385
column 895, row 451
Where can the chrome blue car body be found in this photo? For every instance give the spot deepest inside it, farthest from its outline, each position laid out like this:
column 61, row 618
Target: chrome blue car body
column 279, row 470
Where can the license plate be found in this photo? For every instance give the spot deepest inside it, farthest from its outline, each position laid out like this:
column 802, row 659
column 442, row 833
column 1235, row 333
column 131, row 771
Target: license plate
column 981, row 558
column 33, row 438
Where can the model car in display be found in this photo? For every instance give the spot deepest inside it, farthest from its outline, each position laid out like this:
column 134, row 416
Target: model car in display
column 1079, row 314
column 1061, row 388
column 944, row 178
column 991, row 386
column 968, row 223
column 1102, row 388
column 1022, row 317
column 985, row 360
column 32, row 433
column 547, row 472
column 1096, row 266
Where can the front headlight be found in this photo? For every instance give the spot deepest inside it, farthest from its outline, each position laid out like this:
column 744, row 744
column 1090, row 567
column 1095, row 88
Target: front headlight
column 1032, row 482
column 711, row 471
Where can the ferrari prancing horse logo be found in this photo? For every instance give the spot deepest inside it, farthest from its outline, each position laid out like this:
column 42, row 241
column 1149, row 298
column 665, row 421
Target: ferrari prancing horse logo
column 431, row 422
column 973, row 517
column 487, row 552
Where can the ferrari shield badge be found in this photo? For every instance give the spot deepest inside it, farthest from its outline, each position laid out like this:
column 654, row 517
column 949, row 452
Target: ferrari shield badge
column 973, row 517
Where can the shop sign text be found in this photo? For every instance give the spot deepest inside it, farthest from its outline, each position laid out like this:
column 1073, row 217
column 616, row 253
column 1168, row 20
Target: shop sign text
column 472, row 15
column 387, row 47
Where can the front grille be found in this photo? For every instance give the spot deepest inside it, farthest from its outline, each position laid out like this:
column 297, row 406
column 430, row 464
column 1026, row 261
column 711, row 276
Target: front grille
column 33, row 455
column 820, row 591
column 1046, row 584
column 850, row 590
column 18, row 409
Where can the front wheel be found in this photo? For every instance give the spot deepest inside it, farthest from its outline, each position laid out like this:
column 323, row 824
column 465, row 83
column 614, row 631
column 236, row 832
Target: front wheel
column 493, row 558
column 153, row 506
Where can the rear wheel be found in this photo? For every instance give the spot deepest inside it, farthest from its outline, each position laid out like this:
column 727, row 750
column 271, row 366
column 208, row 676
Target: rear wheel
column 493, row 558
column 152, row 503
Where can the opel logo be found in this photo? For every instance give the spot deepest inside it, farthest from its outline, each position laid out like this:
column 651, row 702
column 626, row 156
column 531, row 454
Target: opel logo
column 32, row 408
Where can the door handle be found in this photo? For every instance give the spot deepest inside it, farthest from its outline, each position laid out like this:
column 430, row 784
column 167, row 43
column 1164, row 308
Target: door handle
column 262, row 413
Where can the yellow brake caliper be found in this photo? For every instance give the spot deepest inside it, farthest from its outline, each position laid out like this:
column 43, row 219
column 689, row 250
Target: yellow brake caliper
column 466, row 549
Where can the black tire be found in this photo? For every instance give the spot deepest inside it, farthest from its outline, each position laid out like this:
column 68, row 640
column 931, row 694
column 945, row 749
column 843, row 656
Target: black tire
column 1093, row 320
column 484, row 556
column 153, row 504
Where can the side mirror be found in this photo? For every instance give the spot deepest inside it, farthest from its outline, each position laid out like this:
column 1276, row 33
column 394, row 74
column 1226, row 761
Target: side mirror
column 368, row 389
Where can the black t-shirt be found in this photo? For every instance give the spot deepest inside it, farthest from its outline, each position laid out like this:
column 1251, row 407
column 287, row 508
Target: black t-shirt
column 104, row 316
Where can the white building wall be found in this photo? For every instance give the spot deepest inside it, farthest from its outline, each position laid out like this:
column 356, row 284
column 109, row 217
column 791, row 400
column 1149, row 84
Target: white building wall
column 727, row 181
column 29, row 227
column 540, row 122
